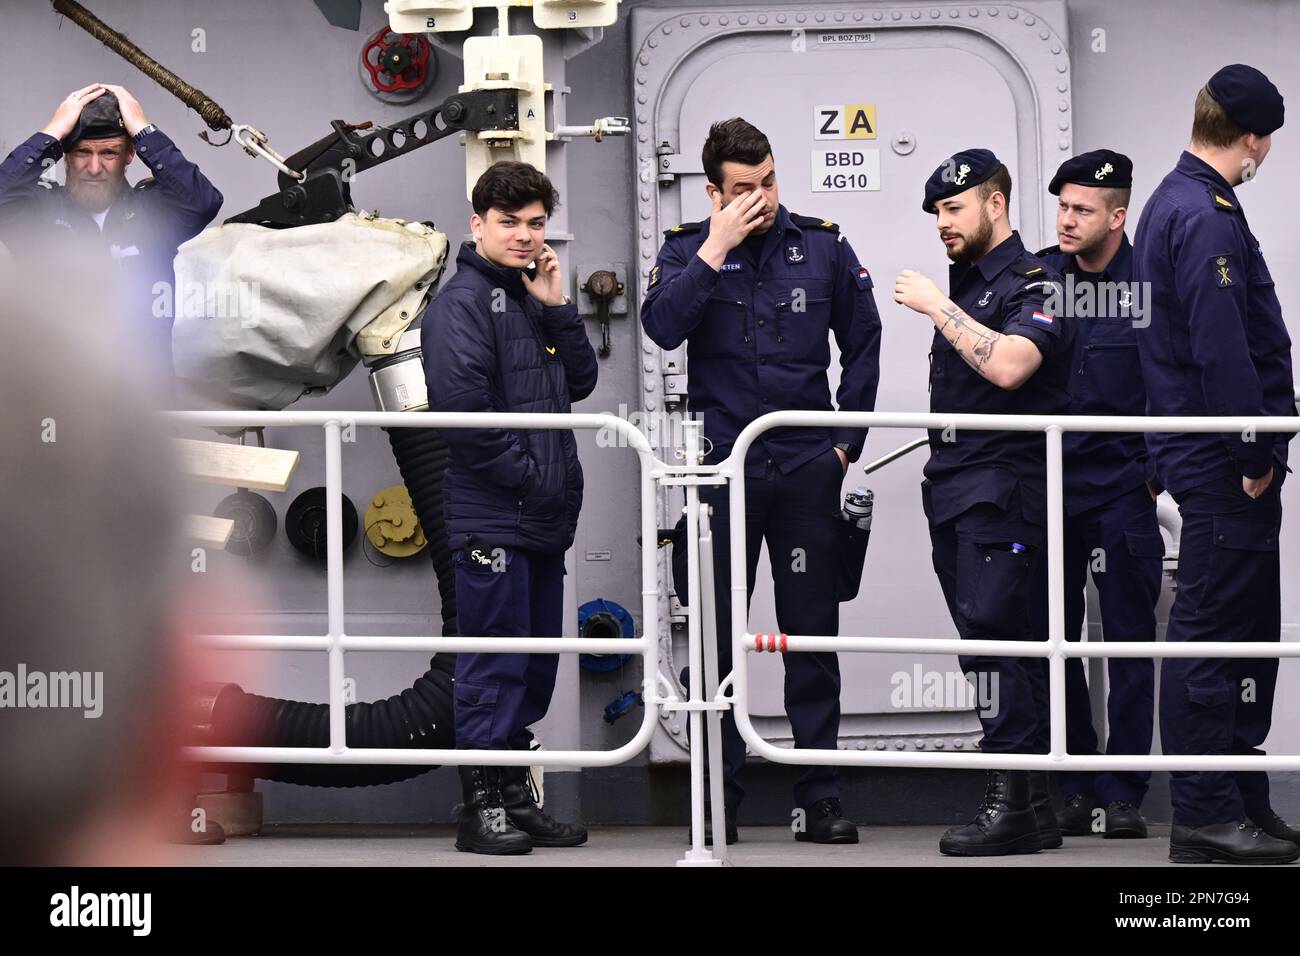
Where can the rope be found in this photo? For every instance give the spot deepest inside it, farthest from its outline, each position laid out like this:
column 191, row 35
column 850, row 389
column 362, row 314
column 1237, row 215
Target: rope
column 195, row 99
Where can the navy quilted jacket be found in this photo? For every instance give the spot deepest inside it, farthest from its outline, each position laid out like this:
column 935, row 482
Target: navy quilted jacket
column 491, row 347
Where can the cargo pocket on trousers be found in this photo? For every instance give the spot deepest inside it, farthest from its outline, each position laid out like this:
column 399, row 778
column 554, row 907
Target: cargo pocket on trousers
column 1208, row 728
column 490, row 599
column 1145, row 544
column 1230, row 559
column 476, row 706
column 999, row 604
column 1241, row 534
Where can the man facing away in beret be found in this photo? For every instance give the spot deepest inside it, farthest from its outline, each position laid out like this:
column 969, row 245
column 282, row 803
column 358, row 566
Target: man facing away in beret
column 1217, row 346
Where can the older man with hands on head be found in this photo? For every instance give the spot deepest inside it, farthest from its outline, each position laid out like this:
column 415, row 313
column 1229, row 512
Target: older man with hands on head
column 97, row 218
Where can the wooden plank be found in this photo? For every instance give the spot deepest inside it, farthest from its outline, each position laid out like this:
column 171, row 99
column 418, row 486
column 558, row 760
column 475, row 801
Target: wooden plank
column 205, row 529
column 242, row 466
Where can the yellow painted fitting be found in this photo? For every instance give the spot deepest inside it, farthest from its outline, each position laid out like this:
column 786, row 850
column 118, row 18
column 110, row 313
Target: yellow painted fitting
column 392, row 525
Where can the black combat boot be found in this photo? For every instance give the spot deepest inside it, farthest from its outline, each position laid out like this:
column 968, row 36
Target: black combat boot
column 1040, row 795
column 1076, row 817
column 485, row 827
column 825, row 823
column 1124, row 821
column 520, row 801
column 1004, row 823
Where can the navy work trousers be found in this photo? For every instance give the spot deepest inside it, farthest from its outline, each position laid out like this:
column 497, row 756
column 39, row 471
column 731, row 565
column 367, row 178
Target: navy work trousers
column 505, row 592
column 798, row 515
column 986, row 560
column 1229, row 589
column 1119, row 541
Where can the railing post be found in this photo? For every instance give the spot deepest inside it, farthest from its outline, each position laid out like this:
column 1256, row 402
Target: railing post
column 698, row 854
column 713, row 721
column 334, row 581
column 1055, row 591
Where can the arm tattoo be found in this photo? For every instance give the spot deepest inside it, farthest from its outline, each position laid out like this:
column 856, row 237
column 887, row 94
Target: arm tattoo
column 973, row 341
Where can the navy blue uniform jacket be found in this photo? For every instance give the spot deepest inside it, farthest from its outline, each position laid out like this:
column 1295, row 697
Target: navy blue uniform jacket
column 1106, row 379
column 1008, row 291
column 757, row 333
column 1217, row 344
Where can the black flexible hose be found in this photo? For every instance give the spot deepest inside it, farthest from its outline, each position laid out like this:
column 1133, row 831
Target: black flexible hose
column 420, row 717
column 422, row 457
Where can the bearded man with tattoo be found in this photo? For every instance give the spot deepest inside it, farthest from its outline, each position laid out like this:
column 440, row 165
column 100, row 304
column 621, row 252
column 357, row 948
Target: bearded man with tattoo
column 999, row 348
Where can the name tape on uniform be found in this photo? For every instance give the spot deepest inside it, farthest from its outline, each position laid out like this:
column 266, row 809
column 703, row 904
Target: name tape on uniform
column 847, row 121
column 845, row 170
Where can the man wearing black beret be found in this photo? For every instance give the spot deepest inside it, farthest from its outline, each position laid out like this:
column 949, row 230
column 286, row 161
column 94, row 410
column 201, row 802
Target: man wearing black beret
column 1110, row 522
column 97, row 219
column 1217, row 345
column 998, row 349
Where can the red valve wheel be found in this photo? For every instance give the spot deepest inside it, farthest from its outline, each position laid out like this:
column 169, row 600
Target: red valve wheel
column 396, row 64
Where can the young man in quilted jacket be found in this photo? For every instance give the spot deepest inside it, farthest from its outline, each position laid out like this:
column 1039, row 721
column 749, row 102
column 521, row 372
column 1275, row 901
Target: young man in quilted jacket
column 502, row 336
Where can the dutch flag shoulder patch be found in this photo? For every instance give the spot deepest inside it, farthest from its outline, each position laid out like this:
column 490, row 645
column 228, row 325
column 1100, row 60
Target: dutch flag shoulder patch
column 1042, row 318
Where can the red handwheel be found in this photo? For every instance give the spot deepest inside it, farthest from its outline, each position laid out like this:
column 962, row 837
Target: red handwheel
column 397, row 67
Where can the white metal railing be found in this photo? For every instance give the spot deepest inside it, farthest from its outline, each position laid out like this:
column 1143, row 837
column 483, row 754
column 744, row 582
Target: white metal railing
column 1056, row 649
column 707, row 691
column 336, row 642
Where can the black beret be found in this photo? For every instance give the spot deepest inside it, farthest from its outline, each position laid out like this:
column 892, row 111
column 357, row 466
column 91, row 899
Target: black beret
column 1101, row 167
column 959, row 173
column 1247, row 96
column 100, row 119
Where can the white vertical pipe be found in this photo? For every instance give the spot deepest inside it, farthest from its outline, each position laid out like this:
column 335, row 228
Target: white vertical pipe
column 649, row 579
column 1055, row 591
column 334, row 581
column 713, row 718
column 695, row 655
column 734, row 470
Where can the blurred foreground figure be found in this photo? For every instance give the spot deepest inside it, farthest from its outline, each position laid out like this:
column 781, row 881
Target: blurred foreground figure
column 90, row 661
